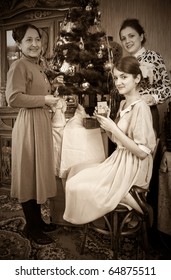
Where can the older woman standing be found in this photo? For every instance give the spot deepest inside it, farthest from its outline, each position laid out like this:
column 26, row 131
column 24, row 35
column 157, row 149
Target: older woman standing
column 33, row 179
column 158, row 86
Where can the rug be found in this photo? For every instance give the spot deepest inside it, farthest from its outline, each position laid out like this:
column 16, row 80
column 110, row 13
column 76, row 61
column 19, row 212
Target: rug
column 67, row 239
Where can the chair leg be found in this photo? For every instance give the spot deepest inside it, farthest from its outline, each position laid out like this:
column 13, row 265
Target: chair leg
column 84, row 239
column 108, row 222
column 145, row 239
column 115, row 242
column 138, row 242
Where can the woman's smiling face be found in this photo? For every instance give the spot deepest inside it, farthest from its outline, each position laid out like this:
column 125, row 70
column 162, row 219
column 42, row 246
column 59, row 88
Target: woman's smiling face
column 131, row 40
column 31, row 43
column 124, row 82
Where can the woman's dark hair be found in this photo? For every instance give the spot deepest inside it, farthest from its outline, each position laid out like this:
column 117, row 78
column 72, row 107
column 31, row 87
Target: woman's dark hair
column 19, row 32
column 133, row 23
column 129, row 65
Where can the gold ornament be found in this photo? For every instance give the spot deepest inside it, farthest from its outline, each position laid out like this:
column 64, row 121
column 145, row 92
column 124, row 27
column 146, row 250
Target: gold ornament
column 108, row 66
column 81, row 44
column 100, row 54
column 59, row 43
column 90, row 66
column 67, row 27
column 85, row 85
column 65, row 67
column 88, row 7
column 71, row 70
column 102, row 46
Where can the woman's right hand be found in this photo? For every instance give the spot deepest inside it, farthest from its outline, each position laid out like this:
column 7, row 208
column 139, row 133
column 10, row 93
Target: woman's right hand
column 107, row 123
column 50, row 100
column 59, row 80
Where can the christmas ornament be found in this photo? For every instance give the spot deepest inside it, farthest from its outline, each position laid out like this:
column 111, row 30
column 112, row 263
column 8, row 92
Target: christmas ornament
column 88, row 7
column 66, row 39
column 100, row 54
column 67, row 27
column 99, row 14
column 71, row 70
column 85, row 85
column 102, row 46
column 55, row 68
column 90, row 66
column 81, row 44
column 59, row 42
column 108, row 66
column 65, row 67
column 57, row 65
column 65, row 52
column 96, row 21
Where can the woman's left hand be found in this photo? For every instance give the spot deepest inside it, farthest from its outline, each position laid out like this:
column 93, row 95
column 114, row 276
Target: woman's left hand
column 106, row 123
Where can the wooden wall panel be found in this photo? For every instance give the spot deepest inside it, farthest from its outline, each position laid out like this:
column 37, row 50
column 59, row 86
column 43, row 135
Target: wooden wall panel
column 154, row 15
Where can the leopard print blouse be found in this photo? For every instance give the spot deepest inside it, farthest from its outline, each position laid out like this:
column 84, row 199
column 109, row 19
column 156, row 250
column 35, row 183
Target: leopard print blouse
column 161, row 86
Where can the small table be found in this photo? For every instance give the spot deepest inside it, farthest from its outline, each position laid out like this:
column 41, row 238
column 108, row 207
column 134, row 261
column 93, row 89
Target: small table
column 164, row 194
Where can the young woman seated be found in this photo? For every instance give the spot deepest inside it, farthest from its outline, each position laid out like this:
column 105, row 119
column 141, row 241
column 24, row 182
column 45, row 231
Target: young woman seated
column 95, row 190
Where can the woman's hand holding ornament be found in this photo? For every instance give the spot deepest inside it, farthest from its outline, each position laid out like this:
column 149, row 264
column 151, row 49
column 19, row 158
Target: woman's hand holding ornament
column 106, row 123
column 50, row 100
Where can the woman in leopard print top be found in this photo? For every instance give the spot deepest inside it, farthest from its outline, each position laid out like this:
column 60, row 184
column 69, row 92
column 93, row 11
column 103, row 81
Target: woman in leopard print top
column 132, row 36
column 157, row 86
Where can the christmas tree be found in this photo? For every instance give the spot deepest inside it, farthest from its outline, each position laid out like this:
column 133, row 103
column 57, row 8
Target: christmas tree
column 84, row 55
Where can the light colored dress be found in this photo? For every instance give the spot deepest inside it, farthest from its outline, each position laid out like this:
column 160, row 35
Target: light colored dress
column 93, row 191
column 32, row 144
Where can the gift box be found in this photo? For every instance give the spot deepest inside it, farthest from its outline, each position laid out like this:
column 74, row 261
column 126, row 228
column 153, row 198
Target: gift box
column 90, row 123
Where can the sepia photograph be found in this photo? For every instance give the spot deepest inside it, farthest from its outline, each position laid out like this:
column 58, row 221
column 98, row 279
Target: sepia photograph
column 85, row 132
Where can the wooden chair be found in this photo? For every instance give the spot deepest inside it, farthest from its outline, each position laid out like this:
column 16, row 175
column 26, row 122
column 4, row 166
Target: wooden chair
column 117, row 223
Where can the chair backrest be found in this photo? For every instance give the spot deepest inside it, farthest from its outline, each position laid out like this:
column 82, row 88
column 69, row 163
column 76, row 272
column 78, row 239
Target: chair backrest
column 156, row 148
